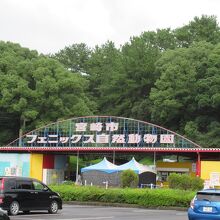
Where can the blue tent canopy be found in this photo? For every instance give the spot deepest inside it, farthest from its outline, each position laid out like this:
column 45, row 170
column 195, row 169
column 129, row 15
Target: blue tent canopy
column 135, row 166
column 104, row 166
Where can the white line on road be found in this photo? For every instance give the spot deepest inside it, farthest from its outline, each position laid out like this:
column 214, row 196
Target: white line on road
column 88, row 218
column 33, row 215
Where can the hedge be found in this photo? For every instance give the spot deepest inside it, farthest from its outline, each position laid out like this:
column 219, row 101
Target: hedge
column 142, row 197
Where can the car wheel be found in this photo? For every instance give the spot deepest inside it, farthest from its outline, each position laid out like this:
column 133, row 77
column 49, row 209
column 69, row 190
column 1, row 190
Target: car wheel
column 14, row 208
column 53, row 207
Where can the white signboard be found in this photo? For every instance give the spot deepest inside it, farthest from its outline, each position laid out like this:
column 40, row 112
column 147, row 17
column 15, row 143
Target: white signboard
column 207, row 184
column 13, row 171
column 84, row 133
column 166, row 138
column 215, row 179
column 194, row 167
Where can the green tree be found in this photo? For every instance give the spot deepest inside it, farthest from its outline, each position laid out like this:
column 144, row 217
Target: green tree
column 204, row 28
column 129, row 179
column 185, row 182
column 185, row 97
column 75, row 57
column 105, row 77
column 139, row 57
column 35, row 89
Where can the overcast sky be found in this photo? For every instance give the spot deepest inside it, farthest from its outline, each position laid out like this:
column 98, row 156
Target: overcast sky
column 50, row 25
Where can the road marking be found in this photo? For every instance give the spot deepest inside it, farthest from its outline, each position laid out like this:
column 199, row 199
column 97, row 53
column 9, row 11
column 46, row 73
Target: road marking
column 33, row 215
column 86, row 218
column 89, row 218
column 180, row 213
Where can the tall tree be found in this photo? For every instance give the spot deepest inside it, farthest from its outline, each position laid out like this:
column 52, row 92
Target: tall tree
column 139, row 57
column 204, row 28
column 104, row 75
column 74, row 57
column 35, row 90
column 186, row 96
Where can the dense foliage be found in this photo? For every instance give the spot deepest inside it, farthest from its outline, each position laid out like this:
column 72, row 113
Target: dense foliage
column 35, row 90
column 129, row 179
column 185, row 182
column 167, row 77
column 142, row 197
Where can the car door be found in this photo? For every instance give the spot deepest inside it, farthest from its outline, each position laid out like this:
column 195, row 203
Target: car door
column 42, row 195
column 25, row 194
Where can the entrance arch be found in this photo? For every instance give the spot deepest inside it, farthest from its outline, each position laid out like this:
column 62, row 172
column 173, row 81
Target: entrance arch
column 107, row 133
column 102, row 134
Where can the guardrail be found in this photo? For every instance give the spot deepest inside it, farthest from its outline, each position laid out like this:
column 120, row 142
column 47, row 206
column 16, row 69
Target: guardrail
column 151, row 186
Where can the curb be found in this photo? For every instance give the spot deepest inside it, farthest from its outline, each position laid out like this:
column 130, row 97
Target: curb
column 123, row 205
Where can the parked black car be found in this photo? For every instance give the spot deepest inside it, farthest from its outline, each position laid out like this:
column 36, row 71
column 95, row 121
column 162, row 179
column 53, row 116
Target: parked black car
column 26, row 194
column 3, row 215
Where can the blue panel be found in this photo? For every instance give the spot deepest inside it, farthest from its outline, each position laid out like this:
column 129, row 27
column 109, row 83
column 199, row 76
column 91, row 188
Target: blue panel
column 26, row 169
column 17, row 164
column 60, row 162
column 3, row 165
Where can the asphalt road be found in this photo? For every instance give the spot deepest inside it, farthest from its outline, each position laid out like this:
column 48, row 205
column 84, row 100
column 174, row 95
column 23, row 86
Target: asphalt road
column 79, row 212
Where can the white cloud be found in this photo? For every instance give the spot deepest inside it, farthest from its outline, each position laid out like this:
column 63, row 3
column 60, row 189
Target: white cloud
column 50, row 25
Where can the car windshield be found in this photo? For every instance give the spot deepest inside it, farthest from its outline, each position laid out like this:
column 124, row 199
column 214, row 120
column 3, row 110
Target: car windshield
column 212, row 197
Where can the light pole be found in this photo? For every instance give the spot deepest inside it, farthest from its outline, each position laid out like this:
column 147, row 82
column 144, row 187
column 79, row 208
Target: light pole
column 77, row 165
column 21, row 130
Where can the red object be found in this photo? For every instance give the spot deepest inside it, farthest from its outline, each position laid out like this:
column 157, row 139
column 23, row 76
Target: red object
column 48, row 161
column 198, row 166
column 2, row 184
column 108, row 149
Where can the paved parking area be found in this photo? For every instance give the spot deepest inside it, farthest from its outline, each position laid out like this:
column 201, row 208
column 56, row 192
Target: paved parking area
column 79, row 212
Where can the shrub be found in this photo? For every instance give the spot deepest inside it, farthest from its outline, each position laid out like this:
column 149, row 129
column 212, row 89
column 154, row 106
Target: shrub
column 184, row 182
column 197, row 183
column 129, row 179
column 142, row 197
column 68, row 182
